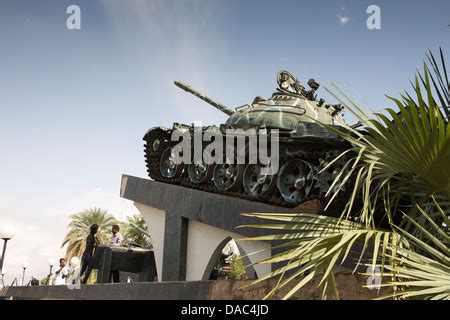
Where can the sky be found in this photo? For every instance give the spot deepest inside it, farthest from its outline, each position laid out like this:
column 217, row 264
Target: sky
column 75, row 104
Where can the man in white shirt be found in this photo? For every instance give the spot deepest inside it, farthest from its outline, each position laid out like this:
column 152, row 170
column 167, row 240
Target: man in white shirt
column 61, row 273
column 115, row 241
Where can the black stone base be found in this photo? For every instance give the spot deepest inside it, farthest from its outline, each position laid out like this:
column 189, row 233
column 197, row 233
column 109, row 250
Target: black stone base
column 198, row 290
column 351, row 287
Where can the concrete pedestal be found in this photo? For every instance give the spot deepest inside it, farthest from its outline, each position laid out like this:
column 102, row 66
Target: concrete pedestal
column 189, row 227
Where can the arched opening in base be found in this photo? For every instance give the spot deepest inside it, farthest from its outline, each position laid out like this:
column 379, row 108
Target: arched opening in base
column 229, row 261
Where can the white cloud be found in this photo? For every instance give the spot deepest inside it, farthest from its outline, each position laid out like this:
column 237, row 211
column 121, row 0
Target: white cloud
column 343, row 19
column 36, row 240
column 192, row 42
column 99, row 198
column 38, row 237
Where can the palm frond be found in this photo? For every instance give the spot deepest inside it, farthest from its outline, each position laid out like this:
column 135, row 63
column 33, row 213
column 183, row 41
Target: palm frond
column 401, row 169
column 323, row 243
column 79, row 227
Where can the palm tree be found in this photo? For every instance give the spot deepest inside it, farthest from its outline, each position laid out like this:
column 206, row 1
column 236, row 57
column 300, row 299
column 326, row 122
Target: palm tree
column 135, row 231
column 79, row 229
column 401, row 167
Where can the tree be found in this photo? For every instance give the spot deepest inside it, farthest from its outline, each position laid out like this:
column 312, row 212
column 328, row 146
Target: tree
column 237, row 268
column 400, row 164
column 79, row 228
column 135, row 231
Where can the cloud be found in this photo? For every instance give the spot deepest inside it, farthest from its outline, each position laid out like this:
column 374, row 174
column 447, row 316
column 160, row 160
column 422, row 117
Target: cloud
column 36, row 240
column 191, row 48
column 38, row 237
column 343, row 19
column 99, row 198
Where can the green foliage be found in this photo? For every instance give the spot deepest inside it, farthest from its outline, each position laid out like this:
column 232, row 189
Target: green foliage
column 400, row 157
column 92, row 277
column 237, row 268
column 135, row 231
column 79, row 227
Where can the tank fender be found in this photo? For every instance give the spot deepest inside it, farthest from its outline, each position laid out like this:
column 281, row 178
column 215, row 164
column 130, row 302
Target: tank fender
column 313, row 129
column 154, row 129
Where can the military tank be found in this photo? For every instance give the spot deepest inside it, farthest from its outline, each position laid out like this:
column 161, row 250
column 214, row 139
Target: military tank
column 292, row 117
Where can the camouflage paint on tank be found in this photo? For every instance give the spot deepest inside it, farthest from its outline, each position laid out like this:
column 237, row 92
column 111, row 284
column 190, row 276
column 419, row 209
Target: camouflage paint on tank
column 284, row 112
column 288, row 107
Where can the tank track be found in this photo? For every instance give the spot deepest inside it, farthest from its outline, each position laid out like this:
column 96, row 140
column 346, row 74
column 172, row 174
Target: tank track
column 152, row 159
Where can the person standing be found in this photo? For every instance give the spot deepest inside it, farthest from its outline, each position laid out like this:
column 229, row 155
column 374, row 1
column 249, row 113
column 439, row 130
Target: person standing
column 92, row 241
column 62, row 273
column 115, row 241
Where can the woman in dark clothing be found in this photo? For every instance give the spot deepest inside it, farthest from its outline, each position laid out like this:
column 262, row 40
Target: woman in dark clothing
column 86, row 260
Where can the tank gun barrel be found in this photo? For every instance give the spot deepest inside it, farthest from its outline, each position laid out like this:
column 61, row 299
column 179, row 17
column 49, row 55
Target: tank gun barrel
column 205, row 98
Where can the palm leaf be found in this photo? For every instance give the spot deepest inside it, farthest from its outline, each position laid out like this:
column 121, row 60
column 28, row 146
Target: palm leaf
column 401, row 155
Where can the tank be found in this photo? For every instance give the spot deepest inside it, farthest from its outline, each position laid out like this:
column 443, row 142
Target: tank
column 302, row 127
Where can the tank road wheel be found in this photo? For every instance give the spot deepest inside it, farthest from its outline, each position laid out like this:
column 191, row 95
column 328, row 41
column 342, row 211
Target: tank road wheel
column 295, row 180
column 168, row 165
column 200, row 172
column 324, row 179
column 255, row 183
column 228, row 175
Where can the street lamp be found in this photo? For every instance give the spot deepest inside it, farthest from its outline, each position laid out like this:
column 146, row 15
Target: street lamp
column 25, row 265
column 7, row 232
column 74, row 262
column 3, row 272
column 74, row 274
column 51, row 264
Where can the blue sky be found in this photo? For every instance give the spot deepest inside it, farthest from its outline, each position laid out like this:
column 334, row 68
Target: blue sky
column 74, row 104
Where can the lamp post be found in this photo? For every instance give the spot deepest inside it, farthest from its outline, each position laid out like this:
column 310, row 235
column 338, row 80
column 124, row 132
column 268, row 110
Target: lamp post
column 25, row 265
column 74, row 274
column 7, row 232
column 74, row 262
column 51, row 264
column 3, row 272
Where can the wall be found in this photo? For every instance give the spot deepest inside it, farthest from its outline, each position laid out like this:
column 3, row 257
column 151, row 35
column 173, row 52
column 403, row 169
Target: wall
column 155, row 219
column 202, row 241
